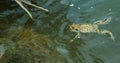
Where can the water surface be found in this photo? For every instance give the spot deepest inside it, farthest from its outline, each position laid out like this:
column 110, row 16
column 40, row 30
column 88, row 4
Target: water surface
column 90, row 48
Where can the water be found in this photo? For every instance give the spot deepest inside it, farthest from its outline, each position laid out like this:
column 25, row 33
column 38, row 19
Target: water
column 91, row 48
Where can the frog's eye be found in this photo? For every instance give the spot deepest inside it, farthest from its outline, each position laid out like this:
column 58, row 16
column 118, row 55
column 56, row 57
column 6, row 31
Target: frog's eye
column 73, row 27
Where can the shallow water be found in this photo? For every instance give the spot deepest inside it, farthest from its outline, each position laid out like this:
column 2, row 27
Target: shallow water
column 90, row 48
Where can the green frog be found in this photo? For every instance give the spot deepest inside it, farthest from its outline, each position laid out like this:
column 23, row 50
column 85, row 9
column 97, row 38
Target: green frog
column 90, row 28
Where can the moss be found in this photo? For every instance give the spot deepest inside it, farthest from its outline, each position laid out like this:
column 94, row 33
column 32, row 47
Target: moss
column 25, row 46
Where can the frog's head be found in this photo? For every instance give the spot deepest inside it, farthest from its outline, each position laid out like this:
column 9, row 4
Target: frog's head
column 74, row 27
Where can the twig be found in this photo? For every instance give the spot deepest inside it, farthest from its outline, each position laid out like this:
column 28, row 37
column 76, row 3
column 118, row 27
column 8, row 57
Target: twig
column 20, row 4
column 28, row 3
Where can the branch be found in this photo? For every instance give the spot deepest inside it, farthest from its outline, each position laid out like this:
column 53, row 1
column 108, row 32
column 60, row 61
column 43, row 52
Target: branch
column 19, row 2
column 33, row 5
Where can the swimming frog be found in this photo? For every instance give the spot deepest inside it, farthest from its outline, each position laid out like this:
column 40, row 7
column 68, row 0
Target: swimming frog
column 89, row 28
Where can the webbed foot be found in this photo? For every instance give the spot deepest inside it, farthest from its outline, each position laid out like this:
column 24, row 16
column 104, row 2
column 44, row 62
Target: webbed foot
column 104, row 21
column 76, row 37
column 108, row 33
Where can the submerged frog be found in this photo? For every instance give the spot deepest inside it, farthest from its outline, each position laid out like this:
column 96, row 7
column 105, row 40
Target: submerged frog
column 89, row 28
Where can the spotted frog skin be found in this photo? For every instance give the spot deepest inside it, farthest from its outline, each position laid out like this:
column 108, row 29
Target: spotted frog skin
column 90, row 28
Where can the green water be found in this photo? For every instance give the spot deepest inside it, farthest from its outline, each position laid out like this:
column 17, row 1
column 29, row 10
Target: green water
column 90, row 48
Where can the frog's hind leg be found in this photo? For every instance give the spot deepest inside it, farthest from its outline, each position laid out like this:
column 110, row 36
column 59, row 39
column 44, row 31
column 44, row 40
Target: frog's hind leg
column 104, row 21
column 107, row 32
column 76, row 37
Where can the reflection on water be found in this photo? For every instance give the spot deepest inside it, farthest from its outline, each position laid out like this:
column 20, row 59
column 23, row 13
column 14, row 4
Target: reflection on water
column 46, row 39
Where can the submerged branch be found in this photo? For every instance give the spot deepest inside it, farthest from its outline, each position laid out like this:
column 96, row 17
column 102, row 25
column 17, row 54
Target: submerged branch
column 33, row 5
column 19, row 2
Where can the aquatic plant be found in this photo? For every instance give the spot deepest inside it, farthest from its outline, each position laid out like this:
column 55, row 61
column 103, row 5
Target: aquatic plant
column 26, row 46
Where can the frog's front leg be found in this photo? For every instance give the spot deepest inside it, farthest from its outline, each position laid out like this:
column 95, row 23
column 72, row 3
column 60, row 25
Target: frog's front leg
column 76, row 37
column 107, row 32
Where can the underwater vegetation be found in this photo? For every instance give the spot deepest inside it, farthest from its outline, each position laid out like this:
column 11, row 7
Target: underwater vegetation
column 25, row 46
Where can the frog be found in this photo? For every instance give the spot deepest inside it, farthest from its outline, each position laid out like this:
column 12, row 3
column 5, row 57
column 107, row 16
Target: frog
column 91, row 28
